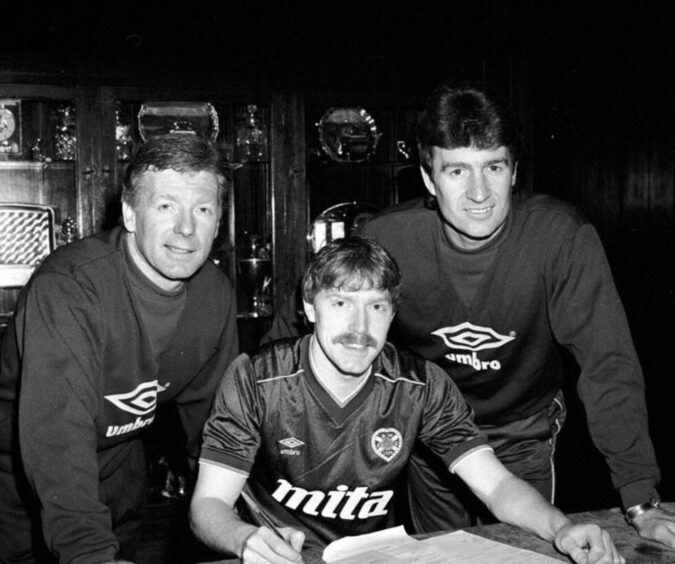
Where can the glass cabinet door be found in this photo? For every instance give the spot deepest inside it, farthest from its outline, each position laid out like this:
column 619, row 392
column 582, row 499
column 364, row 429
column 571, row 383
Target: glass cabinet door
column 38, row 166
column 68, row 148
column 38, row 153
column 242, row 248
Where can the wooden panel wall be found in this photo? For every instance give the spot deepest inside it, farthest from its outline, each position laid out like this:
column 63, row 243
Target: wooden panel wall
column 605, row 141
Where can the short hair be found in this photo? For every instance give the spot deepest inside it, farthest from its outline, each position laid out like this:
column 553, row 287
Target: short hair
column 353, row 263
column 184, row 153
column 456, row 117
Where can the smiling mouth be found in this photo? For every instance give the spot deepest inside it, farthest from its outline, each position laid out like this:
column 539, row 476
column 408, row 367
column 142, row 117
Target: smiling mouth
column 179, row 250
column 479, row 211
column 355, row 346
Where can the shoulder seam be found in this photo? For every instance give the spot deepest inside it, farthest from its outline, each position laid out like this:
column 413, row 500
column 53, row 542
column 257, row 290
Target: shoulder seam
column 280, row 377
column 399, row 379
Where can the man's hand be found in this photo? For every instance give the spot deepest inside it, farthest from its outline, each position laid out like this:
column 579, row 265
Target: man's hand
column 263, row 546
column 657, row 525
column 587, row 544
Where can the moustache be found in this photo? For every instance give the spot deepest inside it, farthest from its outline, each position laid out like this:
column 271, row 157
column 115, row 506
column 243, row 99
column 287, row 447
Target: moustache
column 362, row 340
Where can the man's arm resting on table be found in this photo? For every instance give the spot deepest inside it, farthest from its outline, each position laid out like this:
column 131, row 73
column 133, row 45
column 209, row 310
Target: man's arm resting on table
column 215, row 523
column 514, row 501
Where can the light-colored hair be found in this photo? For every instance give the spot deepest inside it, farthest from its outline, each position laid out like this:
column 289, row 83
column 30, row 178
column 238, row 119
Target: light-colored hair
column 184, row 153
column 354, row 263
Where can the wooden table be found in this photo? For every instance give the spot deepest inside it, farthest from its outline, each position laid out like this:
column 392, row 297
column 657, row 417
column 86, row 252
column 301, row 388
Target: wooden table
column 635, row 549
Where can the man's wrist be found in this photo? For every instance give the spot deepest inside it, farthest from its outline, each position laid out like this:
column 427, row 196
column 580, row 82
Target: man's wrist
column 636, row 511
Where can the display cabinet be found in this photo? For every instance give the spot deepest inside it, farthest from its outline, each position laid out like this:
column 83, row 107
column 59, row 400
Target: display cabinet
column 41, row 167
column 71, row 144
column 243, row 247
column 383, row 176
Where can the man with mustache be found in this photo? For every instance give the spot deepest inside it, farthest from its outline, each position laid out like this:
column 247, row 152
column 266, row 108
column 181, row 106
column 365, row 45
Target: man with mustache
column 494, row 288
column 110, row 328
column 315, row 433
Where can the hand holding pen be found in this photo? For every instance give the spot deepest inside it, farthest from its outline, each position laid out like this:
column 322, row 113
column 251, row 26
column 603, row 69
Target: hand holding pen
column 270, row 543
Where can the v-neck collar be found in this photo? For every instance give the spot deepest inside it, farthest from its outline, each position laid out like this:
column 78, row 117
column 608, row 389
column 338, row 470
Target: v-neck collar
column 335, row 411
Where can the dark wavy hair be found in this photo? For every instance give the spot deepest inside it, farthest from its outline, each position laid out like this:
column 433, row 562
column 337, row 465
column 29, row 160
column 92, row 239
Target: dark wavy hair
column 455, row 117
column 184, row 153
column 354, row 263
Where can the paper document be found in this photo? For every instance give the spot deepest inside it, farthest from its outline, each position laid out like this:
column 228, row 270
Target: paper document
column 461, row 547
column 370, row 542
column 394, row 545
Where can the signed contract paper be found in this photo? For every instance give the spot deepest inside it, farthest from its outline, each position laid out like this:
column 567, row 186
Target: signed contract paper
column 394, row 545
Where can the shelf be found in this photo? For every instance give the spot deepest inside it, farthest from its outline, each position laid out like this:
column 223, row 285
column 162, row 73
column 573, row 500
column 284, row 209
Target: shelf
column 35, row 165
column 253, row 315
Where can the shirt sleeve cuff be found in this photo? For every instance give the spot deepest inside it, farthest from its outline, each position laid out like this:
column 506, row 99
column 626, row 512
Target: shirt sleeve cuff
column 640, row 491
column 102, row 557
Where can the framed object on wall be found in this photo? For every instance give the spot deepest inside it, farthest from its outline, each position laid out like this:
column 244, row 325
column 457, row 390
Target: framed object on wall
column 10, row 128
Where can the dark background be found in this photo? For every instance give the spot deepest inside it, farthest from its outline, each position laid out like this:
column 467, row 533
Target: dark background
column 599, row 103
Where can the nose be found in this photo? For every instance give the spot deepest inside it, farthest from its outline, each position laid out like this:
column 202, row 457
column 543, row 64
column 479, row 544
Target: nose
column 359, row 321
column 185, row 223
column 478, row 189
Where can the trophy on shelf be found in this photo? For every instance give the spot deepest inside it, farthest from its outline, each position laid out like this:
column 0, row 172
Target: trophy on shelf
column 123, row 142
column 348, row 134
column 254, row 276
column 181, row 118
column 65, row 139
column 251, row 136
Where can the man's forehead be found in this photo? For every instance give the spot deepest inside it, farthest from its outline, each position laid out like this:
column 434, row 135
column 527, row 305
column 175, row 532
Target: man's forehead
column 356, row 289
column 171, row 181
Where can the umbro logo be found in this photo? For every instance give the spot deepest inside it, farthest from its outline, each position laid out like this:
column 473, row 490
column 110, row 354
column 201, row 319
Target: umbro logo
column 472, row 338
column 140, row 401
column 291, row 444
column 469, row 337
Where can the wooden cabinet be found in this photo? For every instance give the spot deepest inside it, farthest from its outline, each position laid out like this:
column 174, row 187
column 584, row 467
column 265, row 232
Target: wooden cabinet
column 271, row 201
column 42, row 171
column 258, row 231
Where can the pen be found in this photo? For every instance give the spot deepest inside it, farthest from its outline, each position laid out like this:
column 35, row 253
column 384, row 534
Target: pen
column 264, row 519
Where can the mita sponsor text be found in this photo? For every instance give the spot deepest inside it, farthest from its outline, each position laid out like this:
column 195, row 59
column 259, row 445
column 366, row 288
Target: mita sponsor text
column 116, row 430
column 338, row 503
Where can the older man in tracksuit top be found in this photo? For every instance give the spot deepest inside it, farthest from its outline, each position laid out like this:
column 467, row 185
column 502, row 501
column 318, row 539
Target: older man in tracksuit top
column 108, row 329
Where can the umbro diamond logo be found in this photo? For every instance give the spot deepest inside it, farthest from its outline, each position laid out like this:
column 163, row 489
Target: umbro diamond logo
column 469, row 337
column 291, row 442
column 140, row 401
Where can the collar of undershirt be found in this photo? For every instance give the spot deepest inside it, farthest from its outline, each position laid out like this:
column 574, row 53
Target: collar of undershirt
column 491, row 245
column 143, row 285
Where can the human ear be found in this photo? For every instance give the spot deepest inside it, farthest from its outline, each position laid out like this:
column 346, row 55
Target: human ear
column 428, row 182
column 128, row 217
column 309, row 311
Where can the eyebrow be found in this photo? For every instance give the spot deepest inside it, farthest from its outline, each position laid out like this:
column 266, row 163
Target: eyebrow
column 174, row 198
column 463, row 164
column 385, row 297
